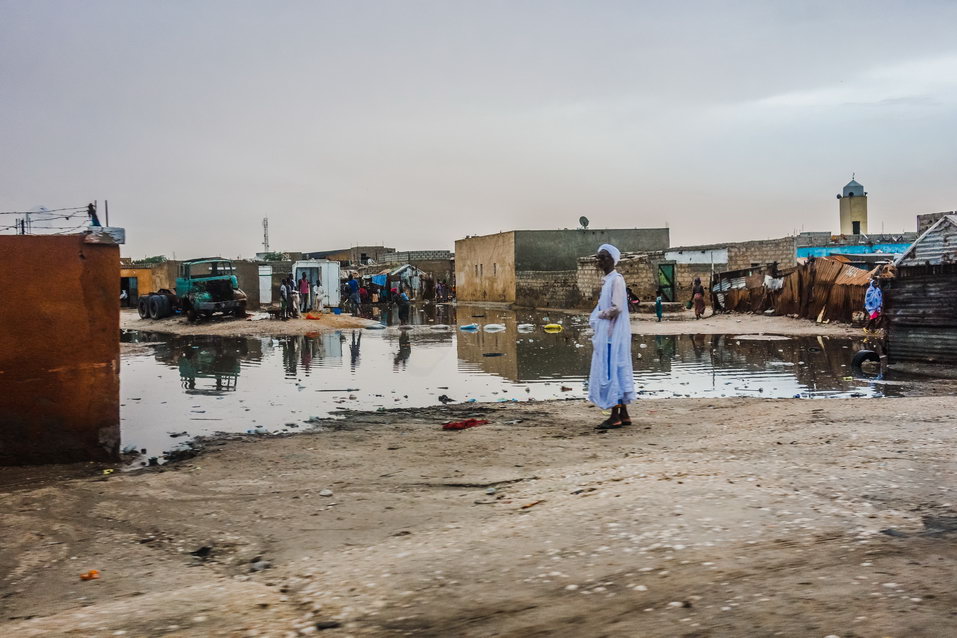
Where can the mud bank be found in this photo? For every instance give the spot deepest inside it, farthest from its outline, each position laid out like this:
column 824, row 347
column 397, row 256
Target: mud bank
column 727, row 517
column 685, row 323
column 233, row 327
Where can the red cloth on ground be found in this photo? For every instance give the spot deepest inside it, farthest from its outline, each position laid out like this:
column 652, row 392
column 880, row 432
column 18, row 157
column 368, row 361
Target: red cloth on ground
column 462, row 425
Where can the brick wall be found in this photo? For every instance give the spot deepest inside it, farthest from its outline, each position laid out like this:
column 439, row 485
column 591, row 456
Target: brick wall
column 547, row 289
column 641, row 270
column 410, row 256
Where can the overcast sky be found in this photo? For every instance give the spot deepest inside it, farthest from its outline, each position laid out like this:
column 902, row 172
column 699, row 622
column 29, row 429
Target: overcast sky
column 416, row 123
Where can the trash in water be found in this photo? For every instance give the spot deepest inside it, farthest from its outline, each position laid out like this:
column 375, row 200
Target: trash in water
column 463, row 425
column 525, row 327
column 553, row 328
column 494, row 327
column 444, row 398
column 493, row 354
column 471, row 327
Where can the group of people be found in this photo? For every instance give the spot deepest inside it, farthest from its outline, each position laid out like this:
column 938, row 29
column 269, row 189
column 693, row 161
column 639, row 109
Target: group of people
column 359, row 295
column 297, row 297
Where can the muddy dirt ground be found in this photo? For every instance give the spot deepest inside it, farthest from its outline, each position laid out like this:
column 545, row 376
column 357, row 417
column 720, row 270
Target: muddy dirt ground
column 735, row 517
column 684, row 323
column 226, row 326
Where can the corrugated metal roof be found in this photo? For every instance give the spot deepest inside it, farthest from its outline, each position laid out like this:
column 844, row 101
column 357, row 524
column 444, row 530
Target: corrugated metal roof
column 938, row 245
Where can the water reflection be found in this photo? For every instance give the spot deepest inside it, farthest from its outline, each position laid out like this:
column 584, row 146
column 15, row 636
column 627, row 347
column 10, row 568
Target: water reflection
column 286, row 380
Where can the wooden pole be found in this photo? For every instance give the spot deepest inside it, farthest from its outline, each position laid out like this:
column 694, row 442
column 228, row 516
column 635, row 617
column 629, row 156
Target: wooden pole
column 106, row 211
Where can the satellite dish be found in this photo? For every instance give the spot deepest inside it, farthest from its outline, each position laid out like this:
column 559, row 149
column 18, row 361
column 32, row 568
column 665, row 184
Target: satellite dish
column 583, row 221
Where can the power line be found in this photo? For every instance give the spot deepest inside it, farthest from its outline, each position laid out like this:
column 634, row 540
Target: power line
column 41, row 212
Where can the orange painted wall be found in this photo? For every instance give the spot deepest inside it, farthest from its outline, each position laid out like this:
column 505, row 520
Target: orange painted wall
column 59, row 350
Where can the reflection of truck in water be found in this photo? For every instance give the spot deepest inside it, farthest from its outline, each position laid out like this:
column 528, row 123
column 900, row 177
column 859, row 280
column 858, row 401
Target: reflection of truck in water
column 209, row 362
column 204, row 286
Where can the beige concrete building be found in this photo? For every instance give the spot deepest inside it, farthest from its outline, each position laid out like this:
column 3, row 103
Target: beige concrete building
column 538, row 267
column 853, row 207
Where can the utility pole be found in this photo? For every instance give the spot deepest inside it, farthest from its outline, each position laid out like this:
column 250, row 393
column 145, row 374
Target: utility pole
column 266, row 234
column 106, row 207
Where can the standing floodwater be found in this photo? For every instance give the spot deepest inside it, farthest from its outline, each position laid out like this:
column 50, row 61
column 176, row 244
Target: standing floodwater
column 191, row 385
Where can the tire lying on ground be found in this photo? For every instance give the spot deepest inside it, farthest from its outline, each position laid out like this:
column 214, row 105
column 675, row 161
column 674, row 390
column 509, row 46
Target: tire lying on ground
column 861, row 356
column 143, row 307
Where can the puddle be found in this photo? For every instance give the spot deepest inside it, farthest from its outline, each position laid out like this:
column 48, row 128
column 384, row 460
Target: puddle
column 193, row 385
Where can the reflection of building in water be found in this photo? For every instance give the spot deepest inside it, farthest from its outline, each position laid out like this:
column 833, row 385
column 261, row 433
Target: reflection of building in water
column 524, row 357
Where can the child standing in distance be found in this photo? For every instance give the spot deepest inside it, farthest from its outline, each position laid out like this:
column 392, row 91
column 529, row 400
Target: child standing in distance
column 658, row 306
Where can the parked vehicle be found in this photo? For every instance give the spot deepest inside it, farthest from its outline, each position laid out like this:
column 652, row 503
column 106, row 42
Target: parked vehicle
column 204, row 286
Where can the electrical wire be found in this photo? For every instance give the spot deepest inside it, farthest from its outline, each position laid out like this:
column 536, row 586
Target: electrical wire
column 41, row 212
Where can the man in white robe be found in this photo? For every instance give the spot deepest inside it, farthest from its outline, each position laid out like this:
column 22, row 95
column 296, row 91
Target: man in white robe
column 611, row 383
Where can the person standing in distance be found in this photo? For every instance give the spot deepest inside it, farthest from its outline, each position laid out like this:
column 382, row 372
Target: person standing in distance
column 611, row 383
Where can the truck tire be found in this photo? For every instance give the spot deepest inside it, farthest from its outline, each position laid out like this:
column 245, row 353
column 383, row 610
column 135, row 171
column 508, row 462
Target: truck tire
column 143, row 307
column 155, row 306
column 241, row 310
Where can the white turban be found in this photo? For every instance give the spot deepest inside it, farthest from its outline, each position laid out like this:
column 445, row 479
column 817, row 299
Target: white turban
column 614, row 252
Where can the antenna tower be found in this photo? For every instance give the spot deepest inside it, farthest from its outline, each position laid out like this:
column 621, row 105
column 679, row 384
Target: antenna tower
column 266, row 234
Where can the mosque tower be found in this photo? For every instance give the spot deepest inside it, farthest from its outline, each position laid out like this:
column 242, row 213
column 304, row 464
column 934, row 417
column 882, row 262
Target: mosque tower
column 853, row 205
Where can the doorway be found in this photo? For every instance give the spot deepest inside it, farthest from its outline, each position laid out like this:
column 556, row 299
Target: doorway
column 666, row 281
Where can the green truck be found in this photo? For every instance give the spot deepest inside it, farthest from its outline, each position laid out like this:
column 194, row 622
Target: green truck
column 203, row 287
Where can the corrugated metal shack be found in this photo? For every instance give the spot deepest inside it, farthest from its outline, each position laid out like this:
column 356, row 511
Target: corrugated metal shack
column 821, row 289
column 921, row 311
column 920, row 304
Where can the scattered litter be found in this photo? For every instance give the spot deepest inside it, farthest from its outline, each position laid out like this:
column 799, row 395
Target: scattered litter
column 525, row 327
column 259, row 316
column 93, row 574
column 313, row 315
column 494, row 327
column 326, row 492
column 490, row 491
column 553, row 328
column 108, row 471
column 532, row 504
column 444, row 398
column 471, row 327
column 463, row 425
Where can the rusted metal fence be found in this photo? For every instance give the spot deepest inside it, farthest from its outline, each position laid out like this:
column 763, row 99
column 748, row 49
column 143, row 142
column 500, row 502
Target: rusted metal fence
column 821, row 290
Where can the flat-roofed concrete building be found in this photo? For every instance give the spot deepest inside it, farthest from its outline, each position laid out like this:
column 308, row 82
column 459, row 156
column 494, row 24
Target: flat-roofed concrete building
column 538, row 268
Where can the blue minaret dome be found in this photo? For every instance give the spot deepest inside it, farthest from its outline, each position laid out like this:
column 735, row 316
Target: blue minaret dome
column 853, row 189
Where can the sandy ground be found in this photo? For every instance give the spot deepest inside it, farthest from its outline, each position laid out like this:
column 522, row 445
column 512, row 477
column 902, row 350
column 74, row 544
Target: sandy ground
column 233, row 327
column 685, row 323
column 641, row 323
column 732, row 517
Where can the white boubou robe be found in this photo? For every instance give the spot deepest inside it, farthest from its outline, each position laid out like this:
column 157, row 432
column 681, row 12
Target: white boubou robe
column 611, row 380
